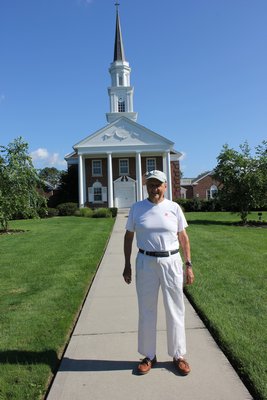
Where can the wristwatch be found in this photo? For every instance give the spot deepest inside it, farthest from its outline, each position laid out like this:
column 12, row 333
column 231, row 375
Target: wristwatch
column 188, row 264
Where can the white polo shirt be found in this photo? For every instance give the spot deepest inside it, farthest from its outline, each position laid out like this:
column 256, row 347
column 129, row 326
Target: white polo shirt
column 156, row 225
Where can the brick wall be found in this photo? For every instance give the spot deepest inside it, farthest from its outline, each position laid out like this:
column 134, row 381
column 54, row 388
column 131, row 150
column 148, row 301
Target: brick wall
column 175, row 174
column 200, row 190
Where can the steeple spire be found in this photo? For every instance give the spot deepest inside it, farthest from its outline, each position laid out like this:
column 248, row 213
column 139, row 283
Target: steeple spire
column 120, row 92
column 118, row 47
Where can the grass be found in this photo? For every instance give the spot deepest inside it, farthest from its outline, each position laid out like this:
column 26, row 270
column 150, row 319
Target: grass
column 230, row 264
column 44, row 274
column 46, row 271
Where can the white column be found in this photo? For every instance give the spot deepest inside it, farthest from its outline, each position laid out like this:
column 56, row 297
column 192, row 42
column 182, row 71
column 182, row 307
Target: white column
column 169, row 175
column 110, row 103
column 138, row 176
column 81, row 181
column 110, row 181
column 130, row 101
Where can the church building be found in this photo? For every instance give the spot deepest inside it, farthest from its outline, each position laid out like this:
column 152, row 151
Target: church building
column 113, row 160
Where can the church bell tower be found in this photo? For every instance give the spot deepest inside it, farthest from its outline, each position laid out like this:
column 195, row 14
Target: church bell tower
column 120, row 92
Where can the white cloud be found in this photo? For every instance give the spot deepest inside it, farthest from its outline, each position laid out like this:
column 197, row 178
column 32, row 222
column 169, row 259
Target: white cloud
column 41, row 158
column 86, row 2
column 39, row 154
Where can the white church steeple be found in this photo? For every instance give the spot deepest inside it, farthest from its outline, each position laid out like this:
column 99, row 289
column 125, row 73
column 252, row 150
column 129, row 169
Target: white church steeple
column 120, row 92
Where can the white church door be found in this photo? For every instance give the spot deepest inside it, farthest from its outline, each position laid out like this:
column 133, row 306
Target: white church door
column 124, row 192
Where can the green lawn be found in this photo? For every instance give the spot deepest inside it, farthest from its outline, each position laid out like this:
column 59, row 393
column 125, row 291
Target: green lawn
column 46, row 271
column 44, row 276
column 230, row 264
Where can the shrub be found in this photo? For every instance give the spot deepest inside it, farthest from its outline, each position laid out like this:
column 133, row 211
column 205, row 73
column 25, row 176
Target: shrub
column 186, row 204
column 42, row 212
column 67, row 208
column 210, row 205
column 86, row 212
column 114, row 211
column 102, row 213
column 52, row 212
column 199, row 205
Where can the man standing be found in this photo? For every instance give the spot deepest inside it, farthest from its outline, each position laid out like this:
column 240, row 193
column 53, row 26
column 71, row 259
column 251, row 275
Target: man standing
column 159, row 225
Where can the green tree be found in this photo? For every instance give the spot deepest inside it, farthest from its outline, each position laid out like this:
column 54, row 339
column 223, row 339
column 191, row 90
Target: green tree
column 18, row 183
column 67, row 190
column 242, row 177
column 51, row 175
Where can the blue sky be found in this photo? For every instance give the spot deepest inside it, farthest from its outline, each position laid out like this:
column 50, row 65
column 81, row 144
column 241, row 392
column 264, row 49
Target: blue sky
column 198, row 68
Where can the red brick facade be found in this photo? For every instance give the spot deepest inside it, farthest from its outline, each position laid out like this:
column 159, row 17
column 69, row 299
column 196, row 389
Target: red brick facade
column 200, row 187
column 90, row 179
column 175, row 173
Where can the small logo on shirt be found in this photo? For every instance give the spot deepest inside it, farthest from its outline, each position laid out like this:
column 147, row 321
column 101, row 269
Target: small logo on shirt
column 166, row 214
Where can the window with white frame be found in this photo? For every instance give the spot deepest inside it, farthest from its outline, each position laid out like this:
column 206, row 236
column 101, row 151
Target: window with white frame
column 124, row 166
column 150, row 164
column 96, row 167
column 97, row 193
column 212, row 192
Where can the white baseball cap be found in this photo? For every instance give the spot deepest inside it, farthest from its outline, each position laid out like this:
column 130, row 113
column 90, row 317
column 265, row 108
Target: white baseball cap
column 159, row 175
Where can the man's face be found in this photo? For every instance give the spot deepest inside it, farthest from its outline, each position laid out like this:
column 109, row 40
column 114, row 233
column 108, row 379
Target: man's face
column 155, row 190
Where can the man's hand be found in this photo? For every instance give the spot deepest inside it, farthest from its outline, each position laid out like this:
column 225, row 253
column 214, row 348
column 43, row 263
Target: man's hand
column 127, row 275
column 189, row 275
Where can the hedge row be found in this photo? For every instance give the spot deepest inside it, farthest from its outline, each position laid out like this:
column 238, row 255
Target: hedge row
column 208, row 205
column 199, row 205
column 67, row 209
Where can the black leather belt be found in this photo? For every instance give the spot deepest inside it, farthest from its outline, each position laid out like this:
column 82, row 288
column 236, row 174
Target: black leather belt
column 159, row 253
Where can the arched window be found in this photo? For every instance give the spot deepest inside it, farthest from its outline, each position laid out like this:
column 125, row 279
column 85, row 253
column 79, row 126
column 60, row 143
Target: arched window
column 211, row 193
column 121, row 105
column 97, row 190
column 97, row 193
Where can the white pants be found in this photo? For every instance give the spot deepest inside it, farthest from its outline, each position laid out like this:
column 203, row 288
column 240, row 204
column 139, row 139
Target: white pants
column 151, row 273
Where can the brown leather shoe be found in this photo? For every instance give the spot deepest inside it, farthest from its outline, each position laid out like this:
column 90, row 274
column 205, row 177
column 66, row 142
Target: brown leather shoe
column 145, row 365
column 182, row 366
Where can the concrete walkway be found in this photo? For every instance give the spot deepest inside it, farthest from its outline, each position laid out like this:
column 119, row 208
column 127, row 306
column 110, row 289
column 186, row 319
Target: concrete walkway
column 101, row 357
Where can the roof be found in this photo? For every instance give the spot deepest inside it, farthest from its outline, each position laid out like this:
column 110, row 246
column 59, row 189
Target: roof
column 194, row 181
column 124, row 132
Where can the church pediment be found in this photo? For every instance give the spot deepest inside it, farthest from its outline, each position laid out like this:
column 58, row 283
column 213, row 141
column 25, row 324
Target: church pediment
column 123, row 132
column 119, row 134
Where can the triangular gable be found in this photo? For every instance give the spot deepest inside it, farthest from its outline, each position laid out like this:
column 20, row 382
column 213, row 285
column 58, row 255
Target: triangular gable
column 196, row 180
column 124, row 132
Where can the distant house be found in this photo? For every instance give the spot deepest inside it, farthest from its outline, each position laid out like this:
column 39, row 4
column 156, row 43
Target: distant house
column 112, row 161
column 204, row 187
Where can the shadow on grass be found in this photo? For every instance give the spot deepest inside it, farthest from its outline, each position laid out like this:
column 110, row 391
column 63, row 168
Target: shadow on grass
column 248, row 224
column 211, row 222
column 48, row 357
